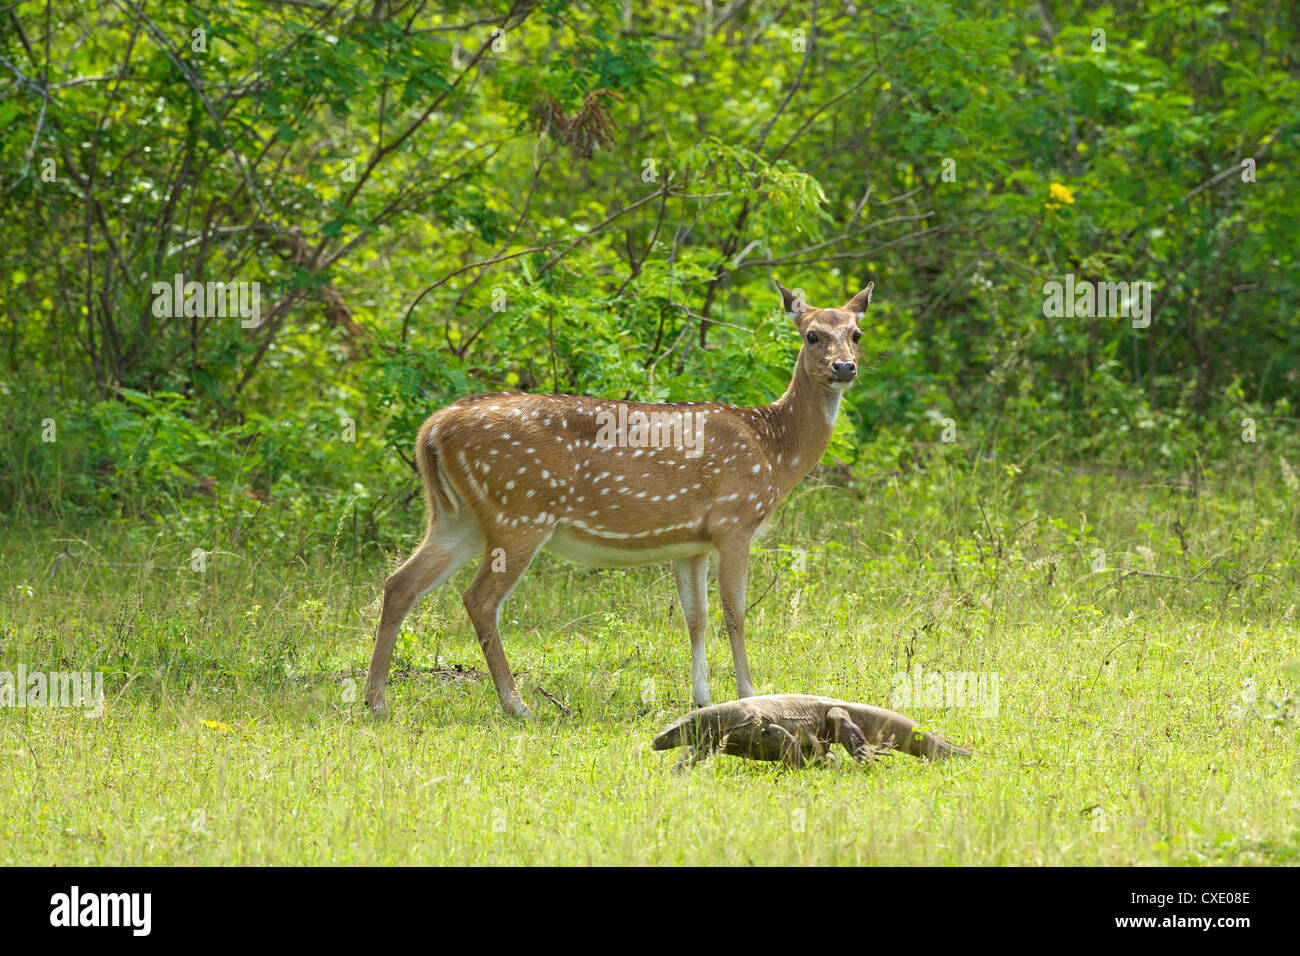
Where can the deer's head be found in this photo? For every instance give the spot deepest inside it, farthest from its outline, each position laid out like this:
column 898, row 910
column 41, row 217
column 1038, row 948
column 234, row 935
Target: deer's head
column 829, row 356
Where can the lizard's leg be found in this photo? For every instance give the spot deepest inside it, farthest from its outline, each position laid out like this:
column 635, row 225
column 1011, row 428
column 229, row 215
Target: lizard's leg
column 691, row 755
column 844, row 731
column 701, row 746
column 776, row 739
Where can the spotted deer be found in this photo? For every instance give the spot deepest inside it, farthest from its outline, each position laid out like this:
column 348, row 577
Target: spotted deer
column 617, row 484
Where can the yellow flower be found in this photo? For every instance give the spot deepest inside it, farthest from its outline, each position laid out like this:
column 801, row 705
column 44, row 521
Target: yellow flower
column 215, row 724
column 1061, row 194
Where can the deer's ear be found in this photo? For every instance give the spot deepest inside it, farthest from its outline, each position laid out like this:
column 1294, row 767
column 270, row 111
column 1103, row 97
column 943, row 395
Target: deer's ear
column 858, row 304
column 794, row 304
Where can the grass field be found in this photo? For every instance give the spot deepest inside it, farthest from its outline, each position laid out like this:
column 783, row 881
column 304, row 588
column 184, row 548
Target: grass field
column 1142, row 632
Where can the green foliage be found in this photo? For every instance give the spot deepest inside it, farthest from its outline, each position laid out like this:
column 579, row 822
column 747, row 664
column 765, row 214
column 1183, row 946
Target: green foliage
column 596, row 198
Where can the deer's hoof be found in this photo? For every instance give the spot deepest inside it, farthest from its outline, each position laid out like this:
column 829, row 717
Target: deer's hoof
column 515, row 707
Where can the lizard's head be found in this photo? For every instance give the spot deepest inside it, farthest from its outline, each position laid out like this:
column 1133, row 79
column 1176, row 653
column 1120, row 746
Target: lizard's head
column 679, row 733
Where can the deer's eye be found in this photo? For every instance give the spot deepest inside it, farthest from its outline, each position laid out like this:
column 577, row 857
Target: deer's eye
column 856, row 336
column 812, row 338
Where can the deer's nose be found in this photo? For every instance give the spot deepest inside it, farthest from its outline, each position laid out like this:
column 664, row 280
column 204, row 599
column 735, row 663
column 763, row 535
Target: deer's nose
column 844, row 371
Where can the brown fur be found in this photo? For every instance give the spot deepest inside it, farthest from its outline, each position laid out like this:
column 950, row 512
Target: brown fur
column 510, row 474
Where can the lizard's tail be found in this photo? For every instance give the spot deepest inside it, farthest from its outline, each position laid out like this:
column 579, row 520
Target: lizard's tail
column 933, row 747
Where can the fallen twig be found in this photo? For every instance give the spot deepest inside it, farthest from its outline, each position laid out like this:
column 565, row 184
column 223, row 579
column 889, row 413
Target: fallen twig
column 545, row 693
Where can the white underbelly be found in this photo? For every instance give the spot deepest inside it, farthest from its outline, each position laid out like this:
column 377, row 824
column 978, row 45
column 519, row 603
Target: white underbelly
column 623, row 554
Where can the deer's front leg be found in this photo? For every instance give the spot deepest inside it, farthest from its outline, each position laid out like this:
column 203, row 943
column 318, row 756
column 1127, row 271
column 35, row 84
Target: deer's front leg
column 692, row 590
column 733, row 583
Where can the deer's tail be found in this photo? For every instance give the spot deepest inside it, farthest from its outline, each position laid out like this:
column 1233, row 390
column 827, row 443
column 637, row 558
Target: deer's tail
column 438, row 490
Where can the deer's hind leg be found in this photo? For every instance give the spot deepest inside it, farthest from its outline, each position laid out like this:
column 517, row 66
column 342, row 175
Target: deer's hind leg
column 450, row 542
column 504, row 563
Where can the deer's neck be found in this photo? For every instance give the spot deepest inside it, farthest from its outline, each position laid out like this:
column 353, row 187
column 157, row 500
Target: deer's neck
column 795, row 429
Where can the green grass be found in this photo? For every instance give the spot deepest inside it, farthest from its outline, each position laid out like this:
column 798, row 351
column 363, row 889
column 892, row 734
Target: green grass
column 1152, row 721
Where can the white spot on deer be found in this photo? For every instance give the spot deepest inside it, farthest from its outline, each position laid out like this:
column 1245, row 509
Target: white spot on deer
column 756, row 469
